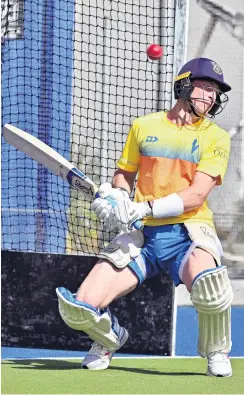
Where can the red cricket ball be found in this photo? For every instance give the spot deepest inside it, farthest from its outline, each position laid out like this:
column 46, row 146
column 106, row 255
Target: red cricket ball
column 154, row 51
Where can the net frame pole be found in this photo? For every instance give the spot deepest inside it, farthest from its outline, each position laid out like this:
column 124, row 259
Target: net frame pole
column 180, row 53
column 104, row 120
column 181, row 37
column 242, row 128
column 45, row 115
column 163, row 68
column 161, row 43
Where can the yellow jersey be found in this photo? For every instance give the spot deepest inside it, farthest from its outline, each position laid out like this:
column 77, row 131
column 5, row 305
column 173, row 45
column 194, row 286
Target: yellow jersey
column 166, row 157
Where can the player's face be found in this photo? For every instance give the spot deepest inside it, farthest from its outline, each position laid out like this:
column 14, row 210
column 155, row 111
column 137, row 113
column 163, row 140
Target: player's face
column 204, row 95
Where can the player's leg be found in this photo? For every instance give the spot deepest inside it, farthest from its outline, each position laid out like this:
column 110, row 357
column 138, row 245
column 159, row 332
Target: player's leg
column 87, row 310
column 142, row 267
column 211, row 294
column 105, row 283
column 198, row 261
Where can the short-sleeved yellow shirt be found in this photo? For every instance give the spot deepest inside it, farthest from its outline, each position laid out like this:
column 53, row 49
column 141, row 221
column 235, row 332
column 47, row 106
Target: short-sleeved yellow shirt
column 166, row 157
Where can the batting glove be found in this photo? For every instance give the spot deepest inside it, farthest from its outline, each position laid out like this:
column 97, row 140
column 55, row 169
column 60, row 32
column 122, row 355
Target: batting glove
column 127, row 212
column 102, row 206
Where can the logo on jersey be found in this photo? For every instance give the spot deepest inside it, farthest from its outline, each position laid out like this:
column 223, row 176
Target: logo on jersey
column 151, row 139
column 222, row 152
column 195, row 146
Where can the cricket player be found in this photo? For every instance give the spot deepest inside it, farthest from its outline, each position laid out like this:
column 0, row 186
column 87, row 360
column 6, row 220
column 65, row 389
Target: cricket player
column 178, row 157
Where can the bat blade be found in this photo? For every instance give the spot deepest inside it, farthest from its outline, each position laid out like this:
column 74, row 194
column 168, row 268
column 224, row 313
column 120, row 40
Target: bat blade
column 52, row 160
column 48, row 157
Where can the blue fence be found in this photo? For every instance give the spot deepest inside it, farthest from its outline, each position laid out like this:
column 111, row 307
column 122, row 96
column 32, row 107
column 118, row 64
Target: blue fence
column 36, row 97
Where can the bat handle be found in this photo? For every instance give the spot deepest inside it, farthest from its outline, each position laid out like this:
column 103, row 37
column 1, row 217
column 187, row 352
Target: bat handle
column 139, row 225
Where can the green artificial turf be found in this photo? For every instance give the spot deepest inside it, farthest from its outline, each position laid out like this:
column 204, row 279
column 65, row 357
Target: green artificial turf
column 124, row 376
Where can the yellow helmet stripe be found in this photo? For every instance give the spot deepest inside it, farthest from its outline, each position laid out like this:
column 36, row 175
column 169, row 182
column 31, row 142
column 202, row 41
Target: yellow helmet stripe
column 184, row 75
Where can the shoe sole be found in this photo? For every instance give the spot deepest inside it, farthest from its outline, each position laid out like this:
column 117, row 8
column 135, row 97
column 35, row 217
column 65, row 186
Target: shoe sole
column 101, row 367
column 218, row 375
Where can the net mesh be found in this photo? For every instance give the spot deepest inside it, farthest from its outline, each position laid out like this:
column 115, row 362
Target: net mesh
column 75, row 75
column 226, row 24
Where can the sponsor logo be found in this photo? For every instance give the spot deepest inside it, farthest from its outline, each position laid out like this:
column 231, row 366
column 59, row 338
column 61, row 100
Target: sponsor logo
column 80, row 185
column 222, row 152
column 195, row 146
column 208, row 234
column 216, row 68
column 151, row 139
column 111, row 248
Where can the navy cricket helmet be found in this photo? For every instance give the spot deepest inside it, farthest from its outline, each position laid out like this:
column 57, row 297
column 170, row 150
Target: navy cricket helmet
column 201, row 69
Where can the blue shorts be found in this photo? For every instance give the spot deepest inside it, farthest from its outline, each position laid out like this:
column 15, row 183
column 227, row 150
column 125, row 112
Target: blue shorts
column 164, row 249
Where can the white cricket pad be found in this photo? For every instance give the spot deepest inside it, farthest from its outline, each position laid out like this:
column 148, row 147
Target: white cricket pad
column 123, row 248
column 83, row 317
column 205, row 237
column 212, row 296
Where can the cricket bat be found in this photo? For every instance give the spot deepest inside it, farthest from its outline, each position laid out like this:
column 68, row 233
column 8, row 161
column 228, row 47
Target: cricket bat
column 52, row 160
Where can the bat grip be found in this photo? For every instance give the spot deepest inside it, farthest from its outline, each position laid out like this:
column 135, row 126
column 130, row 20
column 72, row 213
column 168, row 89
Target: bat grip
column 139, row 225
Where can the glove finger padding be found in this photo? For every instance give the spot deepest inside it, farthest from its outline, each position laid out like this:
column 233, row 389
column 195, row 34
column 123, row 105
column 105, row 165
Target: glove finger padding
column 101, row 207
column 106, row 190
column 110, row 223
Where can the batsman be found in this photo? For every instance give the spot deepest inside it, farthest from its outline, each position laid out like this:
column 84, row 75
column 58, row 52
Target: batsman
column 178, row 157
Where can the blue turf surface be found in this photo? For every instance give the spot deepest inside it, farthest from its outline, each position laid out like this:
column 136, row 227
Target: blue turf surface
column 186, row 331
column 29, row 353
column 186, row 339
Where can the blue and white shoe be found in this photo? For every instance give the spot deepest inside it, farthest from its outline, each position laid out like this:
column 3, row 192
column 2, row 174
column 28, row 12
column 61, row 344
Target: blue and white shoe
column 99, row 357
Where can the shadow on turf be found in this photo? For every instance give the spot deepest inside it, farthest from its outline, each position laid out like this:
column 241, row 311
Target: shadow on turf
column 47, row 364
column 44, row 364
column 155, row 372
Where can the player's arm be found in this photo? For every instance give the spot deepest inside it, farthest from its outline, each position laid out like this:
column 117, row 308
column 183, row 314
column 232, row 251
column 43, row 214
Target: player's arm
column 170, row 206
column 124, row 179
column 210, row 172
column 186, row 200
column 128, row 163
column 195, row 195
